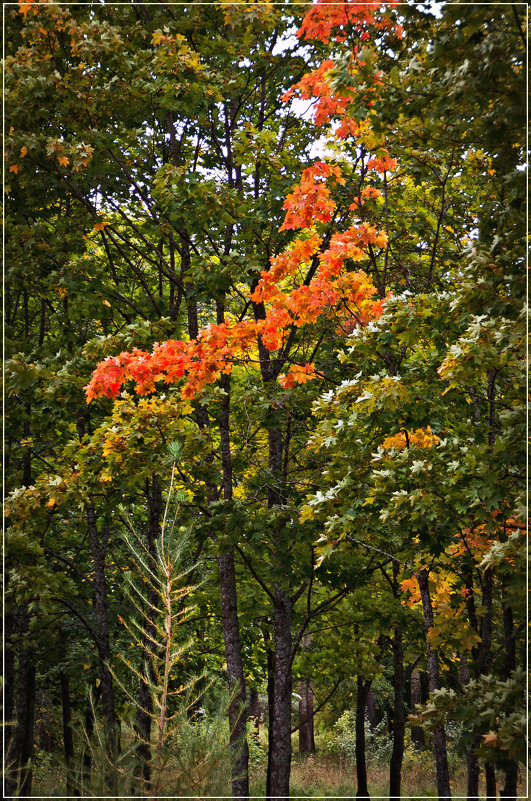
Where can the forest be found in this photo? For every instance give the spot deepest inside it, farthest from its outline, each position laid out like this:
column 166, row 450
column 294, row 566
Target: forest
column 265, row 409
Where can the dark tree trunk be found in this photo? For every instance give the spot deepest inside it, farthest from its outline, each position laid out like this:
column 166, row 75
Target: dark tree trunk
column 306, row 726
column 371, row 710
column 21, row 749
column 144, row 712
column 510, row 788
column 511, row 771
column 270, row 707
column 9, row 680
column 91, row 700
column 280, row 754
column 254, row 713
column 229, row 613
column 233, row 654
column 98, row 550
column 417, row 732
column 490, row 783
column 68, row 741
column 439, row 734
column 399, row 716
column 362, row 690
column 306, row 729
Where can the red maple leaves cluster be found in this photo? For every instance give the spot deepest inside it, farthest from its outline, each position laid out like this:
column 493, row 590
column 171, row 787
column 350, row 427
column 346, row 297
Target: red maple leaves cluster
column 305, row 283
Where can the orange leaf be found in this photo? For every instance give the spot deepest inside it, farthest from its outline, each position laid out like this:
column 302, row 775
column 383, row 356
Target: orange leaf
column 63, row 160
column 14, row 168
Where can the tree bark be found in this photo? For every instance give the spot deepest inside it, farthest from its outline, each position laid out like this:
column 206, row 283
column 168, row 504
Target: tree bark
column 371, row 710
column 144, row 712
column 233, row 654
column 281, row 730
column 254, row 713
column 439, row 734
column 68, row 741
column 362, row 690
column 306, row 727
column 21, row 749
column 510, row 787
column 270, row 706
column 8, row 679
column 417, row 732
column 399, row 716
column 98, row 550
column 306, row 724
column 229, row 613
column 490, row 783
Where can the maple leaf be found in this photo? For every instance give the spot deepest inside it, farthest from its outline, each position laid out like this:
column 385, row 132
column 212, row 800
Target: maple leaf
column 490, row 739
column 14, row 168
column 63, row 160
column 99, row 226
column 23, row 151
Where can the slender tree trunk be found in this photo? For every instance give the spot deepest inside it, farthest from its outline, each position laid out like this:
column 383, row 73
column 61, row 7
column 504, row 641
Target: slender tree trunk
column 68, row 741
column 281, row 730
column 371, row 710
column 102, row 628
column 399, row 716
column 8, row 679
column 91, row 700
column 510, row 787
column 490, row 783
column 254, row 713
column 417, row 732
column 229, row 612
column 144, row 712
column 270, row 707
column 306, row 729
column 21, row 748
column 439, row 734
column 233, row 654
column 362, row 690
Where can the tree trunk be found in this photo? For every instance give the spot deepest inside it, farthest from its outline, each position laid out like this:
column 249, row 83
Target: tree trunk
column 98, row 549
column 229, row 612
column 417, row 732
column 270, row 707
column 490, row 783
column 21, row 750
column 306, row 725
column 281, row 730
column 362, row 688
column 68, row 741
column 254, row 713
column 306, row 729
column 399, row 716
column 8, row 680
column 439, row 734
column 371, row 710
column 144, row 711
column 233, row 654
column 510, row 788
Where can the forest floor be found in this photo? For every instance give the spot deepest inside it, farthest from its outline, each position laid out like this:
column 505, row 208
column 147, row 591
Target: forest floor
column 322, row 774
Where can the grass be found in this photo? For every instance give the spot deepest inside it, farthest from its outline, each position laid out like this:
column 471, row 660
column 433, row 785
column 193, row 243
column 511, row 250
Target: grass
column 322, row 774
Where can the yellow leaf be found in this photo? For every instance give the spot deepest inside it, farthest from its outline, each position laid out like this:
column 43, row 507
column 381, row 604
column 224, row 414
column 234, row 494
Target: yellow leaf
column 51, row 502
column 100, row 225
column 106, row 303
